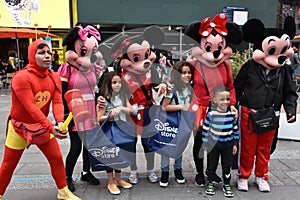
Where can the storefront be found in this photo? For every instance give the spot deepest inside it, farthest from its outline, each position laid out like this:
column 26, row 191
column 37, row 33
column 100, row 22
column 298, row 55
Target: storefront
column 52, row 16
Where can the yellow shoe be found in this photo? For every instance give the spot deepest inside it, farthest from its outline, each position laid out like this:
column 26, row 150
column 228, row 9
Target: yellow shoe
column 66, row 194
column 113, row 189
column 123, row 184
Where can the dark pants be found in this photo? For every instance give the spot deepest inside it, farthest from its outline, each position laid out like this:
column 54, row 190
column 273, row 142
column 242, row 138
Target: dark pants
column 198, row 152
column 74, row 152
column 225, row 151
column 148, row 154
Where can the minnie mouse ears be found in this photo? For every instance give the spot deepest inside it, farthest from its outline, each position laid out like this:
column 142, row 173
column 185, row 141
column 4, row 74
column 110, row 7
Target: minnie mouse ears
column 230, row 31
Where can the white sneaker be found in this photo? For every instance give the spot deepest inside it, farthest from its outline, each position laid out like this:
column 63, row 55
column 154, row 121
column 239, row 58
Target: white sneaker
column 262, row 184
column 152, row 176
column 133, row 178
column 242, row 184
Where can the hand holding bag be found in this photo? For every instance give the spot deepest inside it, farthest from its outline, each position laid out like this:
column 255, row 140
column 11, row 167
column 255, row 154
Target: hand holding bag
column 111, row 145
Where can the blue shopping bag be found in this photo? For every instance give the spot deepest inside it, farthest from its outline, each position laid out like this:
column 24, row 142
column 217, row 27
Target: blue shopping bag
column 111, row 146
column 167, row 133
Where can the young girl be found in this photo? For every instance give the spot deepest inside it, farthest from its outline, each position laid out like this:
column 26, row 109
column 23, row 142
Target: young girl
column 181, row 77
column 117, row 107
column 220, row 137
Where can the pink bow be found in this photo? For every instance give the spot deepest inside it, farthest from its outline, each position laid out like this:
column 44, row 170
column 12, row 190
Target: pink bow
column 84, row 32
column 218, row 23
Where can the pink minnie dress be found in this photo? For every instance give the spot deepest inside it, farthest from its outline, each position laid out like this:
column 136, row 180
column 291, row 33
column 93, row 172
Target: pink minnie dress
column 85, row 82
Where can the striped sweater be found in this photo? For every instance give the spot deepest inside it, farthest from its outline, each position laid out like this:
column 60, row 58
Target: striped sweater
column 221, row 127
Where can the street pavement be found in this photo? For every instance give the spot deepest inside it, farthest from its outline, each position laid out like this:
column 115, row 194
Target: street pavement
column 32, row 179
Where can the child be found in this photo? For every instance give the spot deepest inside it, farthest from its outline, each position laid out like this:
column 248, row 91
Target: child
column 181, row 77
column 117, row 106
column 220, row 136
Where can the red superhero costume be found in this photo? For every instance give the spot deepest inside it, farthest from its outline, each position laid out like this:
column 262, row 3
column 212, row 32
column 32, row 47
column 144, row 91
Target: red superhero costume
column 33, row 90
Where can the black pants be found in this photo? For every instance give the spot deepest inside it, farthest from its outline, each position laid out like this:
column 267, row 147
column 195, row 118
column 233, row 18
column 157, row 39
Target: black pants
column 74, row 152
column 214, row 152
column 198, row 152
column 148, row 155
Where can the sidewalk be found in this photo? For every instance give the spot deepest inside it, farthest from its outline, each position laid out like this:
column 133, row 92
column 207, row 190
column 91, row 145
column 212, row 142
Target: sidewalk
column 32, row 179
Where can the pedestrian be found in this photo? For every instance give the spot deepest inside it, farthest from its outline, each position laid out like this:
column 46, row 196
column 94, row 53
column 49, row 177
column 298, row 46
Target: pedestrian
column 117, row 106
column 34, row 89
column 220, row 137
column 81, row 72
column 163, row 65
column 181, row 77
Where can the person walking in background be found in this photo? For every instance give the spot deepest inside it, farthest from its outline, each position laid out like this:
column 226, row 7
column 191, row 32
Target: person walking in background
column 220, row 137
column 12, row 60
column 181, row 77
column 163, row 65
column 34, row 89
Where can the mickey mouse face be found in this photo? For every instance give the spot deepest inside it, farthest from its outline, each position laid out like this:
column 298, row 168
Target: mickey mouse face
column 275, row 51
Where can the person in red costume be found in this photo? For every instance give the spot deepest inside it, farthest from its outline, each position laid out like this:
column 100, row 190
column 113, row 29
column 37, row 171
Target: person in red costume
column 34, row 88
column 211, row 71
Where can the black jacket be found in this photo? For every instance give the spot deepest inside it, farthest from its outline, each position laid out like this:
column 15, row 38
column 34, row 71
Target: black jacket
column 255, row 89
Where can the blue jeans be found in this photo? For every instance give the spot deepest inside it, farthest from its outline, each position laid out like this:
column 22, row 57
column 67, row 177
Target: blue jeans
column 165, row 162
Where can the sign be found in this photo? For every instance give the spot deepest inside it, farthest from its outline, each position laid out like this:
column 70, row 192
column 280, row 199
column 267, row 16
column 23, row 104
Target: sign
column 26, row 13
column 238, row 15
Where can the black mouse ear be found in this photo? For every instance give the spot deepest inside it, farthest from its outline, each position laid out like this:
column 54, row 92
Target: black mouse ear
column 70, row 38
column 192, row 31
column 290, row 26
column 254, row 31
column 154, row 35
column 235, row 35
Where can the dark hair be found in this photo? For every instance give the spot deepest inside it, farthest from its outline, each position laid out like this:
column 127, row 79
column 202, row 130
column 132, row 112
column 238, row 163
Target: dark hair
column 11, row 54
column 220, row 89
column 42, row 46
column 106, row 89
column 176, row 74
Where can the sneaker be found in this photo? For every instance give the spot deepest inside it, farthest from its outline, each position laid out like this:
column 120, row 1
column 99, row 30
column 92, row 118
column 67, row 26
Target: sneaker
column 178, row 175
column 227, row 191
column 113, row 189
column 164, row 179
column 70, row 184
column 66, row 194
column 152, row 176
column 123, row 184
column 262, row 184
column 133, row 178
column 199, row 180
column 90, row 178
column 210, row 189
column 242, row 184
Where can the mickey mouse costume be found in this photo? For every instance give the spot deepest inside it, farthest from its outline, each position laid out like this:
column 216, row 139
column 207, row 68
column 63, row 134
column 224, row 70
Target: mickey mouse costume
column 264, row 81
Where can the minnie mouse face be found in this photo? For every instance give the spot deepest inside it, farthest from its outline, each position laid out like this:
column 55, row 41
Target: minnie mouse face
column 140, row 58
column 275, row 51
column 214, row 37
column 135, row 53
column 212, row 50
column 82, row 47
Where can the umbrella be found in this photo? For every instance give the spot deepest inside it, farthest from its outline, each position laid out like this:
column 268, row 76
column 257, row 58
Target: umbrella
column 16, row 33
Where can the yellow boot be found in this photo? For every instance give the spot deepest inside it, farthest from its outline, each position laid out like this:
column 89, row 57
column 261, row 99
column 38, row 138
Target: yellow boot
column 66, row 194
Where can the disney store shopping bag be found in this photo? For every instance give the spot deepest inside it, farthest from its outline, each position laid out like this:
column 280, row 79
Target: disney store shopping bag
column 167, row 133
column 111, row 145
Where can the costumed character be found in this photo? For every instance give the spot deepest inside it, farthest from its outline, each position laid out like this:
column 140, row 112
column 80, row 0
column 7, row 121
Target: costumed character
column 264, row 83
column 81, row 72
column 211, row 71
column 34, row 89
column 136, row 59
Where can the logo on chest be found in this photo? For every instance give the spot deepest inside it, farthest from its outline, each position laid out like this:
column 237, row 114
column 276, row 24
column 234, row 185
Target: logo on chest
column 42, row 98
